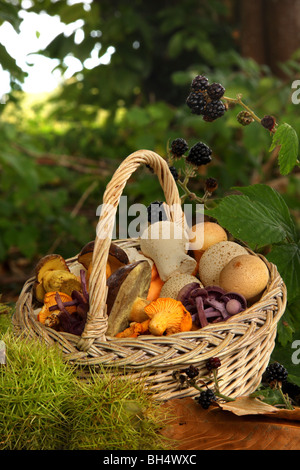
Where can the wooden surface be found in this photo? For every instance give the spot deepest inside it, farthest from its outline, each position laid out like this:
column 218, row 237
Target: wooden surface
column 216, row 429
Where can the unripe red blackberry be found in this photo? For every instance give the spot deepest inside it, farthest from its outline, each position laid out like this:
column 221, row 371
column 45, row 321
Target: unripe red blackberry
column 268, row 122
column 213, row 363
column 211, row 184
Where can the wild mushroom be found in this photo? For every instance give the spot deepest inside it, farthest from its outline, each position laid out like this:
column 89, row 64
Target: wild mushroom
column 210, row 304
column 168, row 316
column 60, row 280
column 215, row 258
column 127, row 293
column 48, row 263
column 166, row 244
column 51, row 307
column 175, row 283
column 246, row 274
column 117, row 257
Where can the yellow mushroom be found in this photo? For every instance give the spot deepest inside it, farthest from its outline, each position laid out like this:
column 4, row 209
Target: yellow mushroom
column 168, row 316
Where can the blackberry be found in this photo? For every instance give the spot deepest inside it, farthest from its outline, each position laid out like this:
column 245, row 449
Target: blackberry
column 215, row 91
column 211, row 184
column 179, row 147
column 191, row 372
column 174, row 172
column 199, row 154
column 206, row 398
column 268, row 122
column 213, row 363
column 275, row 372
column 199, row 83
column 197, row 102
column 156, row 212
column 244, row 118
column 214, row 110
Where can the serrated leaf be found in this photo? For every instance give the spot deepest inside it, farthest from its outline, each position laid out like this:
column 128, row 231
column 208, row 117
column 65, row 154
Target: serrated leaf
column 286, row 256
column 286, row 137
column 273, row 200
column 259, row 217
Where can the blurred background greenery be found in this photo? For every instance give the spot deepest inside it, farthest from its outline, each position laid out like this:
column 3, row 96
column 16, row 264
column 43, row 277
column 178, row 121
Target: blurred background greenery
column 59, row 149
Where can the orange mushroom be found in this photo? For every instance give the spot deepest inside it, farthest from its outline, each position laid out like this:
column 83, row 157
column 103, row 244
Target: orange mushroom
column 135, row 329
column 50, row 301
column 168, row 316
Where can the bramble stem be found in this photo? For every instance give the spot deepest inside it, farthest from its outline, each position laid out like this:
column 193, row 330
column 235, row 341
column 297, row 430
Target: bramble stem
column 238, row 100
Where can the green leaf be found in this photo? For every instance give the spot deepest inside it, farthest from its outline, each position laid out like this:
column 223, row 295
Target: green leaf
column 287, row 259
column 273, row 200
column 286, row 137
column 259, row 218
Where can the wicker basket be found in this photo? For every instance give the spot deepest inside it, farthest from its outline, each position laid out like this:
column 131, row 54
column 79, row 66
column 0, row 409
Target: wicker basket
column 244, row 343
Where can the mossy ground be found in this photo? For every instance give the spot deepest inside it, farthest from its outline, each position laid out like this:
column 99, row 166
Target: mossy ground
column 46, row 405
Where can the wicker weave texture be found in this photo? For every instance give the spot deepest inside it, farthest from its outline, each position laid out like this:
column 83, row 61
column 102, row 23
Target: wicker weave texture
column 244, row 343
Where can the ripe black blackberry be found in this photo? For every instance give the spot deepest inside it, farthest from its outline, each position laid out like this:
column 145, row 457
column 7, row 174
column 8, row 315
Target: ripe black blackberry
column 199, row 83
column 214, row 110
column 191, row 372
column 156, row 212
column 199, row 154
column 197, row 102
column 213, row 363
column 215, row 91
column 275, row 373
column 174, row 172
column 178, row 147
column 206, row 398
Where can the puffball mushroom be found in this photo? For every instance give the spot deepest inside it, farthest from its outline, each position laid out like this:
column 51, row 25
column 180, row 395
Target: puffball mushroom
column 215, row 258
column 204, row 235
column 166, row 244
column 127, row 288
column 246, row 274
column 174, row 284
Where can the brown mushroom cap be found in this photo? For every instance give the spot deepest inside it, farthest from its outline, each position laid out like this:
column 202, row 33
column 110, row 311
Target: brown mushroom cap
column 117, row 257
column 125, row 286
column 51, row 262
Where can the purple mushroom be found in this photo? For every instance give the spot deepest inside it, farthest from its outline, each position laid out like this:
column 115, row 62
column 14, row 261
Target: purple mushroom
column 210, row 304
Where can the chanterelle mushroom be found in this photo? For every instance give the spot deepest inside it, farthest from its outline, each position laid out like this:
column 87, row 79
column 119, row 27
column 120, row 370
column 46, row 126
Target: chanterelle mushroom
column 127, row 287
column 168, row 316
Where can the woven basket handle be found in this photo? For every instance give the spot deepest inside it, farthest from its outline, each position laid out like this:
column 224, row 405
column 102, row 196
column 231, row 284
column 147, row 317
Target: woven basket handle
column 96, row 324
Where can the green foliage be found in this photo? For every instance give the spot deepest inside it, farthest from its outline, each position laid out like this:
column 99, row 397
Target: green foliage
column 286, row 137
column 45, row 405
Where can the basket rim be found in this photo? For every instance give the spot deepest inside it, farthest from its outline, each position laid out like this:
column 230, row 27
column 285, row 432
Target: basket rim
column 213, row 328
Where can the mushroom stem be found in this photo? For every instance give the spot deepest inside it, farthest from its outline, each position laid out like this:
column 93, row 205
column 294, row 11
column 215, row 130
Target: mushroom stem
column 137, row 313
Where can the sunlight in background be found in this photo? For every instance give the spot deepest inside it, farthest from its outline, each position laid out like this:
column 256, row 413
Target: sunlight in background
column 36, row 32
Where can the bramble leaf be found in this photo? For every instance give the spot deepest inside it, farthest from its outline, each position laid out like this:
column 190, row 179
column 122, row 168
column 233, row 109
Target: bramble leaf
column 259, row 217
column 286, row 137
